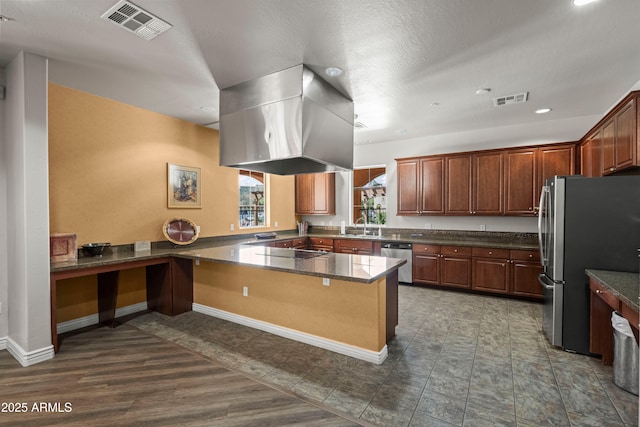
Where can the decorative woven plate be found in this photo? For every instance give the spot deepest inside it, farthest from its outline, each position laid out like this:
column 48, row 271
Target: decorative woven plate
column 180, row 231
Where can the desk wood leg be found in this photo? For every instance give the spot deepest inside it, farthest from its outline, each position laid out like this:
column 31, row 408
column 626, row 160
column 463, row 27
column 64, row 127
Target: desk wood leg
column 54, row 315
column 107, row 296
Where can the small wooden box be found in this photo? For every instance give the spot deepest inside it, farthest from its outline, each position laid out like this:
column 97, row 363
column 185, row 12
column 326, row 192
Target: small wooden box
column 63, row 247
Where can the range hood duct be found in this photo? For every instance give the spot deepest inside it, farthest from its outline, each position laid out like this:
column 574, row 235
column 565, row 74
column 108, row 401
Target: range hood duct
column 286, row 123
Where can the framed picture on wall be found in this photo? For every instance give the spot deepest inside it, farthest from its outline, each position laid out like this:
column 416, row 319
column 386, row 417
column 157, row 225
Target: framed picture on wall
column 183, row 187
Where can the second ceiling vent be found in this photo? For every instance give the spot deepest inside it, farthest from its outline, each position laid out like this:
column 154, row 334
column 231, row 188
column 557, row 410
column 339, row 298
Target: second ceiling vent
column 136, row 20
column 511, row 99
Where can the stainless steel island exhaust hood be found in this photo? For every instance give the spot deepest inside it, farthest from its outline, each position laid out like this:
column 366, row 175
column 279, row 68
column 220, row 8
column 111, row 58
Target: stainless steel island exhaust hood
column 286, row 123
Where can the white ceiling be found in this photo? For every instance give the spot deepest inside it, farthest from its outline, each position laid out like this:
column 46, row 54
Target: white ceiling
column 399, row 57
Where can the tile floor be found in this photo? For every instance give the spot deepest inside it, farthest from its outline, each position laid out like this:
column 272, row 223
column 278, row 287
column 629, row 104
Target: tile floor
column 457, row 360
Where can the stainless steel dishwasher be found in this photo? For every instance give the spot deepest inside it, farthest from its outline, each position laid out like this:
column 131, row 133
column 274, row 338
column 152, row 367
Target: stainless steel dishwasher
column 402, row 251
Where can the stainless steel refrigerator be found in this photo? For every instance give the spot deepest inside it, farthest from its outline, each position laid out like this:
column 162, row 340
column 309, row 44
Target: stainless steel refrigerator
column 583, row 223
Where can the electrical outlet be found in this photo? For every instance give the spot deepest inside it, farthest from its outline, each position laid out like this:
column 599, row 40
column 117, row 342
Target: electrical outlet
column 275, row 224
column 0, row 308
column 245, row 291
column 197, row 262
column 231, row 227
column 326, row 281
column 198, row 229
column 427, row 226
column 483, row 227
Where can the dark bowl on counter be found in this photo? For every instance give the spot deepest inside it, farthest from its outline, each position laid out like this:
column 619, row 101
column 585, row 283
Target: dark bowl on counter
column 94, row 249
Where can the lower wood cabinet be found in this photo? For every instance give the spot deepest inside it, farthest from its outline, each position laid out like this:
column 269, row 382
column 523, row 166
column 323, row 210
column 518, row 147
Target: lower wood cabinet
column 300, row 243
column 525, row 269
column 320, row 244
column 490, row 270
column 353, row 246
column 495, row 270
column 442, row 265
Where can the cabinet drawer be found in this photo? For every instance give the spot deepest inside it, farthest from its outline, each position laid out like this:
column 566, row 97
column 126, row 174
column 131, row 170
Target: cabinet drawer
column 605, row 294
column 491, row 253
column 354, row 244
column 426, row 249
column 456, row 251
column 630, row 314
column 524, row 255
column 320, row 241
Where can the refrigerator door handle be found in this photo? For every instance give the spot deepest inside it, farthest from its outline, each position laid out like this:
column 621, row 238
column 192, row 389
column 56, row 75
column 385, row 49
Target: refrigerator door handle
column 541, row 211
column 542, row 278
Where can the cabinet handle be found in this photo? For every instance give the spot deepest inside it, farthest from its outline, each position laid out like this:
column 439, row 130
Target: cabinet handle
column 598, row 291
column 455, row 251
column 490, row 253
column 530, row 255
column 530, row 208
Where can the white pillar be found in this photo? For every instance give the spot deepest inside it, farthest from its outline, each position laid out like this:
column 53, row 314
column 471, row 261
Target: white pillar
column 27, row 173
column 4, row 318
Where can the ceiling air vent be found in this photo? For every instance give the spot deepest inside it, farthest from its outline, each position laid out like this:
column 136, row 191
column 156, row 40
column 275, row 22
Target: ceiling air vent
column 136, row 20
column 511, row 99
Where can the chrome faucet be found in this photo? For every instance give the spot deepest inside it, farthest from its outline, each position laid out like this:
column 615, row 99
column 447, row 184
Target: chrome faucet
column 364, row 223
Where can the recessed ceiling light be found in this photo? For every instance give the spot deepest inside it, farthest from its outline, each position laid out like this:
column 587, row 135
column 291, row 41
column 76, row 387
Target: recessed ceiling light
column 4, row 18
column 435, row 104
column 483, row 91
column 543, row 110
column 208, row 109
column 583, row 2
column 333, row 71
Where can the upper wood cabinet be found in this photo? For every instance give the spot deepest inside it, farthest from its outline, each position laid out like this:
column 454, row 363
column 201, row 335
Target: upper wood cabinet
column 491, row 182
column 408, row 171
column 487, row 184
column 316, row 194
column 613, row 145
column 458, row 183
column 520, row 181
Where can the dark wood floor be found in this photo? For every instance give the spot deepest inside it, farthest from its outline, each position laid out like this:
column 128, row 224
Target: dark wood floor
column 123, row 376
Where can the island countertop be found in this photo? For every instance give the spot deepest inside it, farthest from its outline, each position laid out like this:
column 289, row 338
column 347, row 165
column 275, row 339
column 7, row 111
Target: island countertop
column 625, row 286
column 355, row 268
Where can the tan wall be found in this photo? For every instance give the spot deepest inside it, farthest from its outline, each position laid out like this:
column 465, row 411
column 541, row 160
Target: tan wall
column 108, row 177
column 348, row 312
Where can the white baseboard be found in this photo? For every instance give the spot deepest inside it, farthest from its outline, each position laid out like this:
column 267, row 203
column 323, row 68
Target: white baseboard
column 3, row 343
column 31, row 357
column 92, row 319
column 376, row 357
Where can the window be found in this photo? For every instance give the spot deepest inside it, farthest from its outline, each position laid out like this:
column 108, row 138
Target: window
column 370, row 195
column 251, row 203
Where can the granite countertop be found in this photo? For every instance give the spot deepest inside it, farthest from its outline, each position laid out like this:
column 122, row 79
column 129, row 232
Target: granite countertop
column 125, row 253
column 626, row 286
column 355, row 268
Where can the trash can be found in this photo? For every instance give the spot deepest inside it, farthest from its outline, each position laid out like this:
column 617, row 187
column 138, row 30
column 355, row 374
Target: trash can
column 625, row 355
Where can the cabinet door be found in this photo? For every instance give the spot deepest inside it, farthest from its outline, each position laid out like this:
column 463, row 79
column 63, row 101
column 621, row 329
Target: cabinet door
column 490, row 275
column 554, row 160
column 324, row 193
column 608, row 147
column 519, row 181
column 625, row 147
column 425, row 268
column 458, row 185
column 524, row 278
column 408, row 183
column 455, row 271
column 591, row 156
column 432, row 180
column 304, row 194
column 488, row 184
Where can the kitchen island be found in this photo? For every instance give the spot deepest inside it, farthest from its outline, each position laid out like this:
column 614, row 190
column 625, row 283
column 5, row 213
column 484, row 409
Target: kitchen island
column 344, row 303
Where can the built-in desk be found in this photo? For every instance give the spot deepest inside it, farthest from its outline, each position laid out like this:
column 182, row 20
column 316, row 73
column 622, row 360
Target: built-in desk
column 169, row 285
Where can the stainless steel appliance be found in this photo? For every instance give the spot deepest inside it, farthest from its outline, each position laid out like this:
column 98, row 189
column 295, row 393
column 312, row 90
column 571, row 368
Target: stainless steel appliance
column 583, row 223
column 402, row 251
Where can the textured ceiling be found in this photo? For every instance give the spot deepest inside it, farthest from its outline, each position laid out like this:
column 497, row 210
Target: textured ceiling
column 399, row 57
